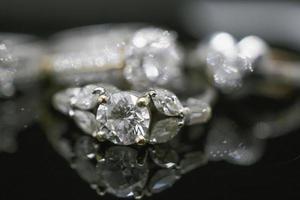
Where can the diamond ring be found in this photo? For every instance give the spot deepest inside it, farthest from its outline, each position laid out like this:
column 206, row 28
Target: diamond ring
column 130, row 117
column 20, row 58
column 140, row 56
column 227, row 63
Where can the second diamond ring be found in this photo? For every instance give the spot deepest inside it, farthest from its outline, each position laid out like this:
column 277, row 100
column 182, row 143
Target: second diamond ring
column 133, row 54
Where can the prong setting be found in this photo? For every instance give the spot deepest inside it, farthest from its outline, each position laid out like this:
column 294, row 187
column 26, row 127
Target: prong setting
column 103, row 99
column 152, row 93
column 143, row 101
column 140, row 140
column 99, row 91
column 100, row 136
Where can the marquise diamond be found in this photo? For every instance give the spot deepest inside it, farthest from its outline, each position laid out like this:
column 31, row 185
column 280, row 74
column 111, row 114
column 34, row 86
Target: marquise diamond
column 166, row 102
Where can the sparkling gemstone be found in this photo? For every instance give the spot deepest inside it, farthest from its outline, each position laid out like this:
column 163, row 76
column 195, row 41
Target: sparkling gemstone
column 162, row 180
column 165, row 130
column 85, row 99
column 125, row 120
column 227, row 72
column 120, row 172
column 86, row 121
column 228, row 61
column 62, row 100
column 166, row 102
column 224, row 43
column 253, row 47
column 152, row 58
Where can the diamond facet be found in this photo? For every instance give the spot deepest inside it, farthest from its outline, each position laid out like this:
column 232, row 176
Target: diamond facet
column 86, row 121
column 61, row 100
column 166, row 102
column 228, row 61
column 165, row 130
column 125, row 120
column 85, row 99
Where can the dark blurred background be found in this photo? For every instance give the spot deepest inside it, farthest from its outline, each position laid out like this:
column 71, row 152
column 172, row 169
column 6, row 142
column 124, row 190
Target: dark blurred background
column 276, row 21
column 37, row 172
column 45, row 17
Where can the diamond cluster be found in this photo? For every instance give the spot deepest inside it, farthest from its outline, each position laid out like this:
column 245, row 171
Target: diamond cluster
column 228, row 61
column 152, row 58
column 122, row 117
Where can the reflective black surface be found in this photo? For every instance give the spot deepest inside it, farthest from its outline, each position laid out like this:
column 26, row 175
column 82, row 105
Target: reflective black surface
column 41, row 167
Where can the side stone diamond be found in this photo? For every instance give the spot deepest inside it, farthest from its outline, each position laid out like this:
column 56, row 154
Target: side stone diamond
column 62, row 100
column 86, row 121
column 87, row 97
column 166, row 102
column 165, row 130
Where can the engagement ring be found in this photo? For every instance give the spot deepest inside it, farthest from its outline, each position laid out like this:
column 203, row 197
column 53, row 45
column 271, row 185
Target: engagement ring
column 129, row 117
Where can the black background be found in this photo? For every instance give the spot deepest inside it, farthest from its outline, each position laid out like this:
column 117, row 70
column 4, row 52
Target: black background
column 37, row 172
